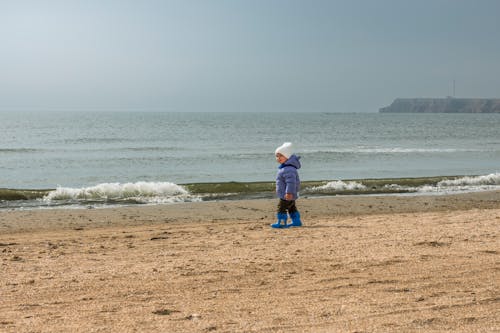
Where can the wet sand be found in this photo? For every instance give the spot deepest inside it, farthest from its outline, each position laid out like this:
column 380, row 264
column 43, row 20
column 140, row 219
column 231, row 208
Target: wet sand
column 360, row 264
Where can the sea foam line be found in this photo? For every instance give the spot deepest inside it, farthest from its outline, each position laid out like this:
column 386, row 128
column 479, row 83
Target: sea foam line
column 144, row 192
column 463, row 184
column 394, row 150
column 339, row 185
column 491, row 179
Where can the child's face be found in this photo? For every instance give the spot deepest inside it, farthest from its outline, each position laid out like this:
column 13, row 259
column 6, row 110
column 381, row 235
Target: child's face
column 280, row 158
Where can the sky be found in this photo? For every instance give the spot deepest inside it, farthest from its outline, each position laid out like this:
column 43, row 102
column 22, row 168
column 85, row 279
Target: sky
column 235, row 55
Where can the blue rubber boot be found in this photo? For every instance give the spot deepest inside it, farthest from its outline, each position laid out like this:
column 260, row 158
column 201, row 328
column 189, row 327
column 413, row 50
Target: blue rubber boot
column 281, row 217
column 296, row 222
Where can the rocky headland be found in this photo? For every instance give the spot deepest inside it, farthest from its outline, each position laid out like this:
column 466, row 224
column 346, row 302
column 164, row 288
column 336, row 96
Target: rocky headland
column 443, row 105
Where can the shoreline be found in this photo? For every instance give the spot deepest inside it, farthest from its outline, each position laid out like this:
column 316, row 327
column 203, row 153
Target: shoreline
column 360, row 263
column 228, row 210
column 118, row 194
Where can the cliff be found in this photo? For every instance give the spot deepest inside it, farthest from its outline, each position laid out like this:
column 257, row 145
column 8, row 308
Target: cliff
column 443, row 105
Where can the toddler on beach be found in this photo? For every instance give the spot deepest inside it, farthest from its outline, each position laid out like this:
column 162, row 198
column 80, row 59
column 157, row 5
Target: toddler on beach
column 287, row 186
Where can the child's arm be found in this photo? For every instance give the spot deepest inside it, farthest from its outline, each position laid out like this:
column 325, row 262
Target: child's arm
column 290, row 180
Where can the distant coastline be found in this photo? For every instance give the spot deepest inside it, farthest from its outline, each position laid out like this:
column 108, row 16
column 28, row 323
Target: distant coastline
column 443, row 105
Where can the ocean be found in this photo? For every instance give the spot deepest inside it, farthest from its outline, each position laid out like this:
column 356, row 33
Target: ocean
column 92, row 159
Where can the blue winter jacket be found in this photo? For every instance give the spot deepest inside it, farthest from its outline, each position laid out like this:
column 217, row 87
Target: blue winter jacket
column 287, row 179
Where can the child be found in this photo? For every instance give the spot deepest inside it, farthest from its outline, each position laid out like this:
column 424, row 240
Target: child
column 287, row 186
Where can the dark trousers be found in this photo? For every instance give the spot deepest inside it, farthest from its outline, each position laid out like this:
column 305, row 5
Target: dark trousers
column 287, row 205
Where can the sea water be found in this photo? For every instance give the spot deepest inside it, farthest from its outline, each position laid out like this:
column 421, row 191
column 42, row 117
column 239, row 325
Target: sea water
column 149, row 153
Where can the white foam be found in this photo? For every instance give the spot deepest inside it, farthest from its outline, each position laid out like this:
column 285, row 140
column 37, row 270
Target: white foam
column 143, row 192
column 339, row 185
column 491, row 179
column 389, row 150
column 463, row 184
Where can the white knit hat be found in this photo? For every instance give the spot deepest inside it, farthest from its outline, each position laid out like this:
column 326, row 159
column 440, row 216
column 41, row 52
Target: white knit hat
column 285, row 149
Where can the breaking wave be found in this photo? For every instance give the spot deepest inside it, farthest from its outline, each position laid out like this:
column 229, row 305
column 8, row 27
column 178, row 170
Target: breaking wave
column 106, row 194
column 416, row 186
column 139, row 192
column 338, row 185
column 462, row 184
column 491, row 179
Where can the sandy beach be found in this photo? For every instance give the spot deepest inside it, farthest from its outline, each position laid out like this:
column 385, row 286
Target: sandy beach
column 360, row 264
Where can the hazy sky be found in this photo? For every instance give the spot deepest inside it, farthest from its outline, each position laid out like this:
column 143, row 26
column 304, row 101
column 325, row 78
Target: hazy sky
column 254, row 55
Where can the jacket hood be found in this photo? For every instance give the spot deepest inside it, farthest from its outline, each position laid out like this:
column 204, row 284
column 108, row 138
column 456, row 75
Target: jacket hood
column 293, row 161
